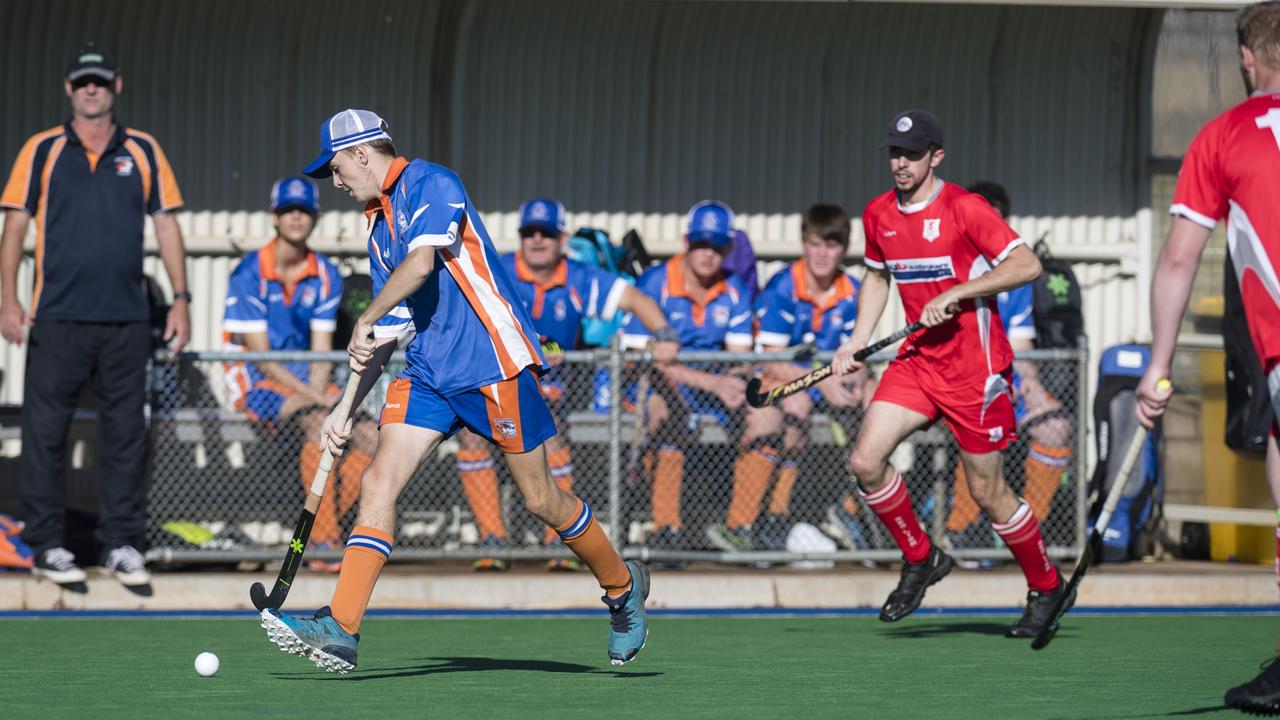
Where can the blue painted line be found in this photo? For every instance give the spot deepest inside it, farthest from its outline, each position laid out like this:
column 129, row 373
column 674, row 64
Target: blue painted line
column 856, row 612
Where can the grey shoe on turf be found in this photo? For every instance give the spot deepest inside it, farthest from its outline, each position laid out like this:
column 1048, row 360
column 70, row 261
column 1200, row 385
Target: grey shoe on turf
column 59, row 565
column 129, row 567
column 630, row 624
column 1259, row 696
column 914, row 580
column 320, row 639
column 728, row 539
column 1039, row 611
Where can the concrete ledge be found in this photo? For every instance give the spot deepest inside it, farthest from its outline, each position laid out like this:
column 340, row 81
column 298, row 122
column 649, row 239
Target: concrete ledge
column 1173, row 584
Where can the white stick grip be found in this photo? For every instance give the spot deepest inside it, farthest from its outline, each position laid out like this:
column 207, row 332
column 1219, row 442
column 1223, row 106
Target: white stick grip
column 326, row 460
column 1122, row 479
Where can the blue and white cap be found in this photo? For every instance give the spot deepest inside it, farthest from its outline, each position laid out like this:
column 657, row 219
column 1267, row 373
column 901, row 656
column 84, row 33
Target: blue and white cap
column 542, row 214
column 346, row 129
column 710, row 221
column 295, row 192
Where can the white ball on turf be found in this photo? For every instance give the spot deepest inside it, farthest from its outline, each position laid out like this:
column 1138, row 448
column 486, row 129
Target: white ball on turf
column 207, row 664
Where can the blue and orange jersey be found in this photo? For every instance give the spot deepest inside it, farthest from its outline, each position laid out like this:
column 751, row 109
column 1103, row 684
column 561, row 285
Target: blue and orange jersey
column 259, row 301
column 789, row 314
column 723, row 318
column 471, row 328
column 1016, row 312
column 90, row 210
column 576, row 291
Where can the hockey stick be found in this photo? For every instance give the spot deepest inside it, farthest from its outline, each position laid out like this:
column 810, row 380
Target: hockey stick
column 1045, row 636
column 302, row 531
column 758, row 399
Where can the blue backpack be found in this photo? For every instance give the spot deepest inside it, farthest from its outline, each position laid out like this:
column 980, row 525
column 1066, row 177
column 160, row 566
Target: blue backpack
column 591, row 246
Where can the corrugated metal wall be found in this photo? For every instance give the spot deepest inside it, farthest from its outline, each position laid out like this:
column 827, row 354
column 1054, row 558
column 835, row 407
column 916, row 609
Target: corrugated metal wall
column 628, row 111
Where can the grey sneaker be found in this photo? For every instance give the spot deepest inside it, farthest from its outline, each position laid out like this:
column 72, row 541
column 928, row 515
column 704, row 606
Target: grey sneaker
column 127, row 564
column 59, row 565
column 729, row 539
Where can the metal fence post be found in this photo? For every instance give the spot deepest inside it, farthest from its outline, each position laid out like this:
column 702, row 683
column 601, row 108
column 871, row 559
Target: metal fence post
column 615, row 442
column 1082, row 443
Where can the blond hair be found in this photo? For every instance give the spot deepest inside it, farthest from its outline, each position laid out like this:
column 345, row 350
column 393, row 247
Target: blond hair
column 1258, row 28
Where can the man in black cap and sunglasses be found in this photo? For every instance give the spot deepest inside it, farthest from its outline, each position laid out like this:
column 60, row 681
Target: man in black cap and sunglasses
column 89, row 183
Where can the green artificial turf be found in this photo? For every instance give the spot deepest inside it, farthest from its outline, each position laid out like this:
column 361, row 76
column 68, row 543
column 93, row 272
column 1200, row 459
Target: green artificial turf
column 922, row 667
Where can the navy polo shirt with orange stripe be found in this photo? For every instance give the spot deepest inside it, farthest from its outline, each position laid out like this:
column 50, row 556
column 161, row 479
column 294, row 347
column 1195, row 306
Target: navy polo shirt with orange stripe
column 90, row 211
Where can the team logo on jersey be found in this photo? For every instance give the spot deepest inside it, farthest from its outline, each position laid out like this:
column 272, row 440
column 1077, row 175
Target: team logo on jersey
column 559, row 310
column 124, row 166
column 720, row 316
column 308, row 297
column 402, row 221
column 506, row 427
column 916, row 270
column 932, row 228
column 995, row 434
column 837, row 317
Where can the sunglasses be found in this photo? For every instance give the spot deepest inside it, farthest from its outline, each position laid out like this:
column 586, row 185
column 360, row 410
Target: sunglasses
column 527, row 233
column 87, row 80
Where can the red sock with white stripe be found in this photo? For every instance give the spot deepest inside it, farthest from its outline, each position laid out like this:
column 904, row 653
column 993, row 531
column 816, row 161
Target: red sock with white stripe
column 1022, row 534
column 892, row 505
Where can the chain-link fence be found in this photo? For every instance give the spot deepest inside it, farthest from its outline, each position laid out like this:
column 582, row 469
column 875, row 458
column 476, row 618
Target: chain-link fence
column 679, row 470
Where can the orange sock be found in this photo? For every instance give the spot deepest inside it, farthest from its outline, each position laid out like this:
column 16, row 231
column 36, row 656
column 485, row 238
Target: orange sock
column 668, row 476
column 367, row 551
column 964, row 510
column 751, row 475
column 561, row 465
column 325, row 528
column 480, row 483
column 587, row 540
column 1044, row 467
column 780, row 500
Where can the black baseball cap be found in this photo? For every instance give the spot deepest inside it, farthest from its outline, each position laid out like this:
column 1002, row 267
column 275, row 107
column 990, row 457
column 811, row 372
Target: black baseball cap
column 92, row 60
column 913, row 130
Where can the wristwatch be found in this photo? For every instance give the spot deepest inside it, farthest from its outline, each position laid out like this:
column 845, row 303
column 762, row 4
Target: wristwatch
column 666, row 334
column 184, row 295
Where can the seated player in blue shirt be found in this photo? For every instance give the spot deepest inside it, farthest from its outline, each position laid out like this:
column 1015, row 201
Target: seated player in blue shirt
column 285, row 296
column 558, row 293
column 1039, row 413
column 709, row 310
column 812, row 300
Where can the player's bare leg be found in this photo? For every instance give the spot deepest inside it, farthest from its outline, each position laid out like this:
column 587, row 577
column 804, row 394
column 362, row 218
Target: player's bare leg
column 883, row 490
column 329, row 639
column 626, row 585
column 560, row 465
column 1013, row 519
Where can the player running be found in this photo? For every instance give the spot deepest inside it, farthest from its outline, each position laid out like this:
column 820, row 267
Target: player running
column 559, row 294
column 811, row 300
column 1230, row 171
column 945, row 247
column 473, row 363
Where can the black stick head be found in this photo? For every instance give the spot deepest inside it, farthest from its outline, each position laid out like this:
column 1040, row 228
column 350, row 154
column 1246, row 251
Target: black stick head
column 258, row 595
column 755, row 398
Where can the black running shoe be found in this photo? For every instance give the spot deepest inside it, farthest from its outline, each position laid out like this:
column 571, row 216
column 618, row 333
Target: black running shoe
column 59, row 565
column 1039, row 611
column 1259, row 696
column 915, row 578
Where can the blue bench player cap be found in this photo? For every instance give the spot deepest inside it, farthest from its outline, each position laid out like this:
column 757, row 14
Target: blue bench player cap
column 711, row 221
column 542, row 214
column 346, row 129
column 295, row 192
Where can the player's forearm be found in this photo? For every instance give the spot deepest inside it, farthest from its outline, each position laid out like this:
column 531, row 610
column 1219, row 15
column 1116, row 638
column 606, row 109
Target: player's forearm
column 645, row 309
column 172, row 252
column 15, row 227
column 1019, row 267
column 404, row 281
column 258, row 342
column 1174, row 275
column 321, row 371
column 872, row 299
